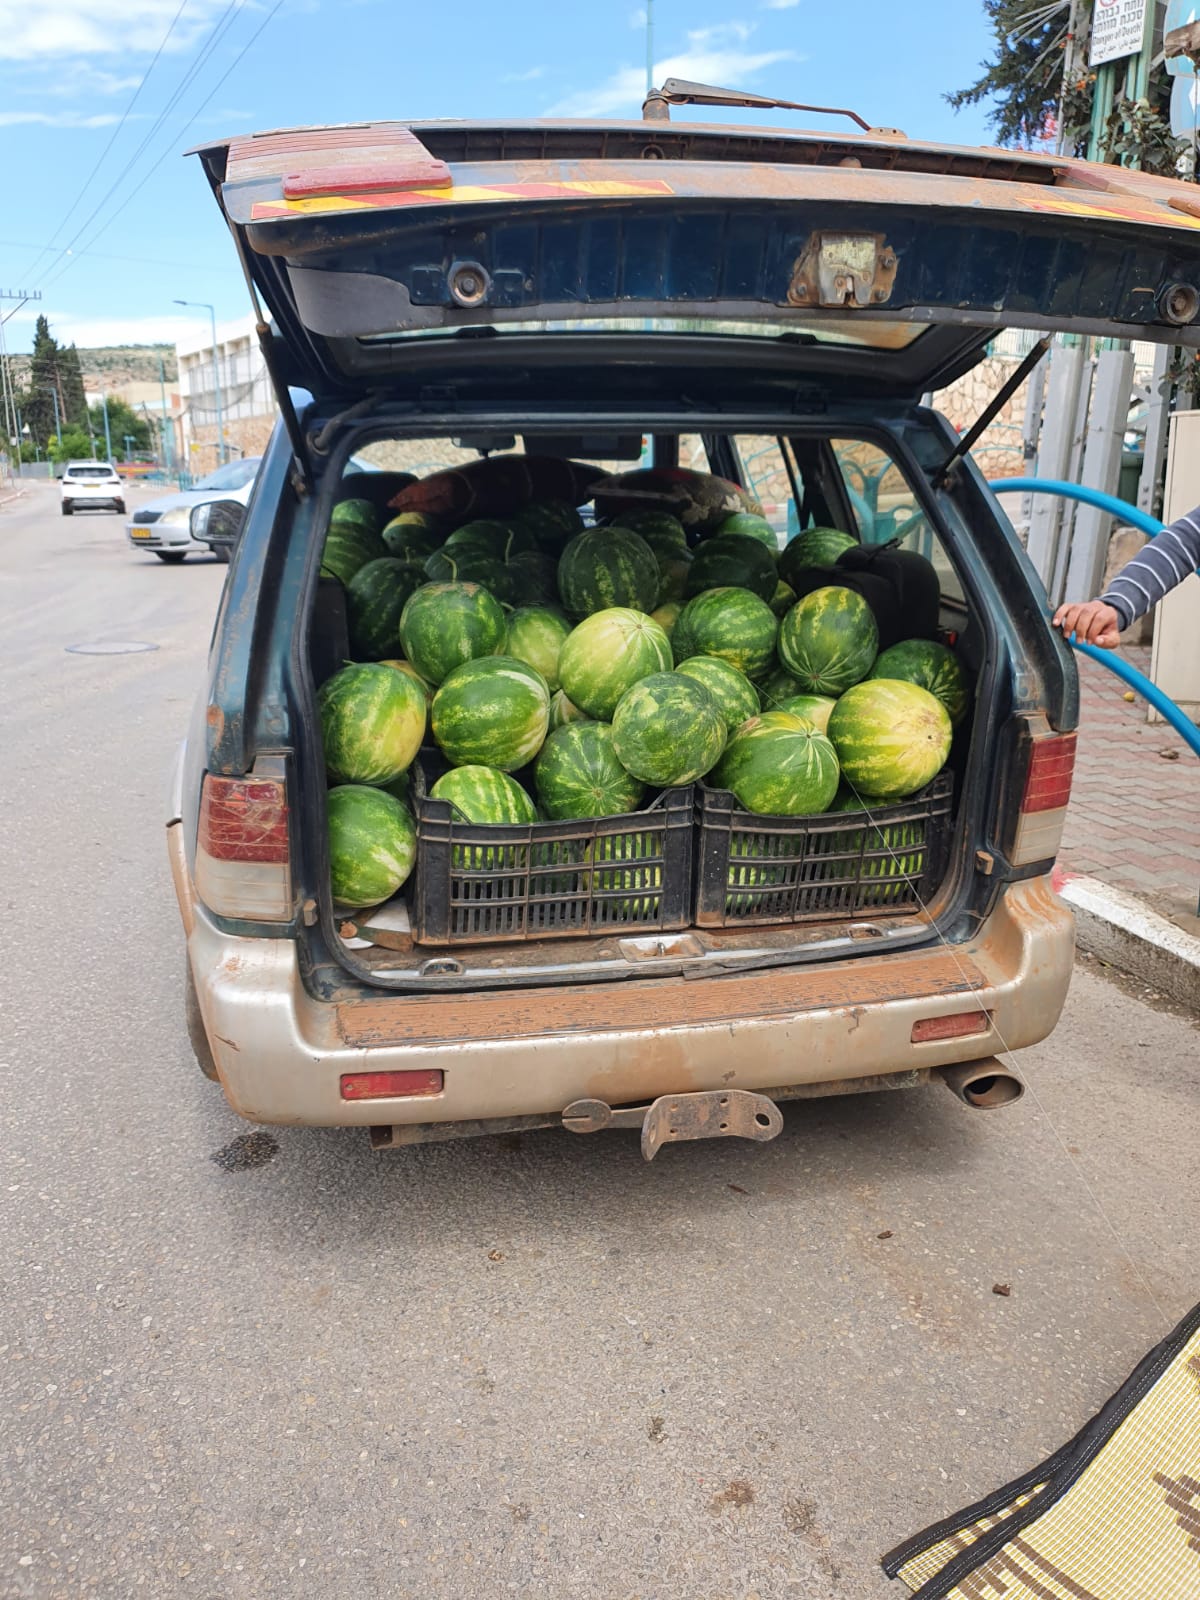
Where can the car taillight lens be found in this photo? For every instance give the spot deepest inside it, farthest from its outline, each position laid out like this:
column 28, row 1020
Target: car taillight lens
column 390, row 1085
column 1050, row 766
column 243, row 866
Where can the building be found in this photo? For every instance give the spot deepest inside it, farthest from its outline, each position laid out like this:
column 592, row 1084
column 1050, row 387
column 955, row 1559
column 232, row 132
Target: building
column 247, row 403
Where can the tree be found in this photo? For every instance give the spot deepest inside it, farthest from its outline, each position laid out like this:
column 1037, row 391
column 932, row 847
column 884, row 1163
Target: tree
column 76, row 445
column 1039, row 86
column 38, row 408
column 1025, row 78
column 122, row 420
column 74, row 400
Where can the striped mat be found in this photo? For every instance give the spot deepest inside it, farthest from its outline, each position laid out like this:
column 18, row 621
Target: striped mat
column 1113, row 1515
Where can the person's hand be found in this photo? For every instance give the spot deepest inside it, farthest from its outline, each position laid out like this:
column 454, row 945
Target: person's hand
column 1092, row 623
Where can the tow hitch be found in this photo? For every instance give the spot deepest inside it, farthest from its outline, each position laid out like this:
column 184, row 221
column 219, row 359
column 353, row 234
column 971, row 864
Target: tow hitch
column 672, row 1118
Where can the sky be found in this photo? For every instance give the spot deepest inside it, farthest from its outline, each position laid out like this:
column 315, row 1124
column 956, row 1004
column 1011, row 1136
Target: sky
column 105, row 216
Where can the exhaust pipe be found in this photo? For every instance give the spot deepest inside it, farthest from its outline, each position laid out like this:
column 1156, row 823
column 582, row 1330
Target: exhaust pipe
column 983, row 1085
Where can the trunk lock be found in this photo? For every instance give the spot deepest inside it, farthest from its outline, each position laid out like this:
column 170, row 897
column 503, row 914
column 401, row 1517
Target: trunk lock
column 672, row 1118
column 843, row 269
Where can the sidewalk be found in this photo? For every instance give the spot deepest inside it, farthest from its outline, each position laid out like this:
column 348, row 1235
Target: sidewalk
column 1134, row 818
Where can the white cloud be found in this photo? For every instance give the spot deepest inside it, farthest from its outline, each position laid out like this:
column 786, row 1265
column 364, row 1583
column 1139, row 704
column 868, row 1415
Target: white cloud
column 57, row 119
column 61, row 28
column 780, row 5
column 720, row 33
column 524, row 77
column 624, row 91
column 69, row 327
column 637, row 19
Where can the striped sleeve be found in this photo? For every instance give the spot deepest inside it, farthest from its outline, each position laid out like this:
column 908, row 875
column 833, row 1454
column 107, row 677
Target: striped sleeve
column 1154, row 571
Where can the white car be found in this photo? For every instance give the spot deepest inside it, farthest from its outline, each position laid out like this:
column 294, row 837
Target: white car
column 91, row 483
column 164, row 525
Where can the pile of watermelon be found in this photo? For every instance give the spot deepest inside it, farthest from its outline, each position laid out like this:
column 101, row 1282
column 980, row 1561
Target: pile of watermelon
column 570, row 670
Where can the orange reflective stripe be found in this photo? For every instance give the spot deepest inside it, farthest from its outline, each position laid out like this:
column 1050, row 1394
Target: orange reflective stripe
column 463, row 194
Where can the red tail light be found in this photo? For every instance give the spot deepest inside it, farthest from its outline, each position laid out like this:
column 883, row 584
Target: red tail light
column 244, row 819
column 390, row 1085
column 960, row 1026
column 243, row 866
column 1051, row 768
column 1034, row 832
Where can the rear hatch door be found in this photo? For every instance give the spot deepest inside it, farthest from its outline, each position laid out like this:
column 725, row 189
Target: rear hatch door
column 871, row 263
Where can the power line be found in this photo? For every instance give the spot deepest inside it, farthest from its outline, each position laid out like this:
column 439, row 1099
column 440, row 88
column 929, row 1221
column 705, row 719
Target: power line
column 178, row 135
column 162, row 44
column 185, row 82
column 103, row 255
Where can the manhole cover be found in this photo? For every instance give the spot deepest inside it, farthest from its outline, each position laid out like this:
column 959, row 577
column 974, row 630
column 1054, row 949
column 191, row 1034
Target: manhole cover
column 117, row 647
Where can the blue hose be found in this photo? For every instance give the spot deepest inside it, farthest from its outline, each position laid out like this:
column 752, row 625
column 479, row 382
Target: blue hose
column 1131, row 517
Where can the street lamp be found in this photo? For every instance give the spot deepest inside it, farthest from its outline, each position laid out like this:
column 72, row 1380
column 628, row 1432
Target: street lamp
column 203, row 305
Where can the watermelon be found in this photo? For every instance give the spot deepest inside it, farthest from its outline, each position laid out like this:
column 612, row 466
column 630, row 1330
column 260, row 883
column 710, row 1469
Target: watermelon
column 372, row 845
column 375, row 597
column 410, row 671
column 349, row 546
column 893, row 851
column 784, row 598
column 814, row 708
column 891, row 737
column 829, row 640
column 667, row 615
column 469, row 564
column 736, row 696
column 372, row 723
column 731, row 623
column 535, row 636
column 578, row 774
column 748, row 871
column 492, row 712
column 412, row 536
column 607, row 653
column 483, row 795
column 668, row 729
column 550, row 523
column 931, row 665
column 746, row 525
column 782, row 719
column 778, row 686
column 674, row 571
column 359, row 512
column 778, row 770
column 638, row 874
column 534, row 578
column 815, row 547
column 732, row 561
column 659, row 529
column 607, row 567
column 496, row 538
column 563, row 711
column 445, row 624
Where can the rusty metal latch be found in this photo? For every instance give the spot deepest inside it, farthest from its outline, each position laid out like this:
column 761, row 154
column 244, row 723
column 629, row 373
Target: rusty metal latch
column 843, row 269
column 672, row 1118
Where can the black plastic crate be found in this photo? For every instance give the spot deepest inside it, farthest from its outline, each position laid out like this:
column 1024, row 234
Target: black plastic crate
column 479, row 883
column 752, row 869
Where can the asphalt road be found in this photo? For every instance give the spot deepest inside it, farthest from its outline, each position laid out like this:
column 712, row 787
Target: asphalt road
column 528, row 1364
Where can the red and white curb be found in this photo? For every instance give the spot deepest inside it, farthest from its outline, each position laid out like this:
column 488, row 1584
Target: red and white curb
column 1125, row 932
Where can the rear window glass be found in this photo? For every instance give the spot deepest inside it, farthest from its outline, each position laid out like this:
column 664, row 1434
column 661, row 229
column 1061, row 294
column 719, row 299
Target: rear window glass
column 234, row 475
column 90, row 472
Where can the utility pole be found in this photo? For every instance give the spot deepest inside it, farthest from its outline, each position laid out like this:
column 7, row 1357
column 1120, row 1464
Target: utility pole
column 48, row 388
column 107, row 434
column 7, row 391
column 168, row 447
column 203, row 305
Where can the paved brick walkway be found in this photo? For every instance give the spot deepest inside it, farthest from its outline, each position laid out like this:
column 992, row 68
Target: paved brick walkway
column 1134, row 819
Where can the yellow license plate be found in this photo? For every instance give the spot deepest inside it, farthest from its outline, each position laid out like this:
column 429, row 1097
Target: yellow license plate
column 139, row 533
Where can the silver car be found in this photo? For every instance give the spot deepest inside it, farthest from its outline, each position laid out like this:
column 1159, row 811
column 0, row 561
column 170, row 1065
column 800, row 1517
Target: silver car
column 164, row 525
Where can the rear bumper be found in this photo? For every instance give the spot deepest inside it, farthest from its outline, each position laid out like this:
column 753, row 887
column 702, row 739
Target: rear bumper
column 280, row 1053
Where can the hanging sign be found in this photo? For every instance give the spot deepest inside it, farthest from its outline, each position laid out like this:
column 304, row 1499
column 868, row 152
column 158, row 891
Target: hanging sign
column 1118, row 29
